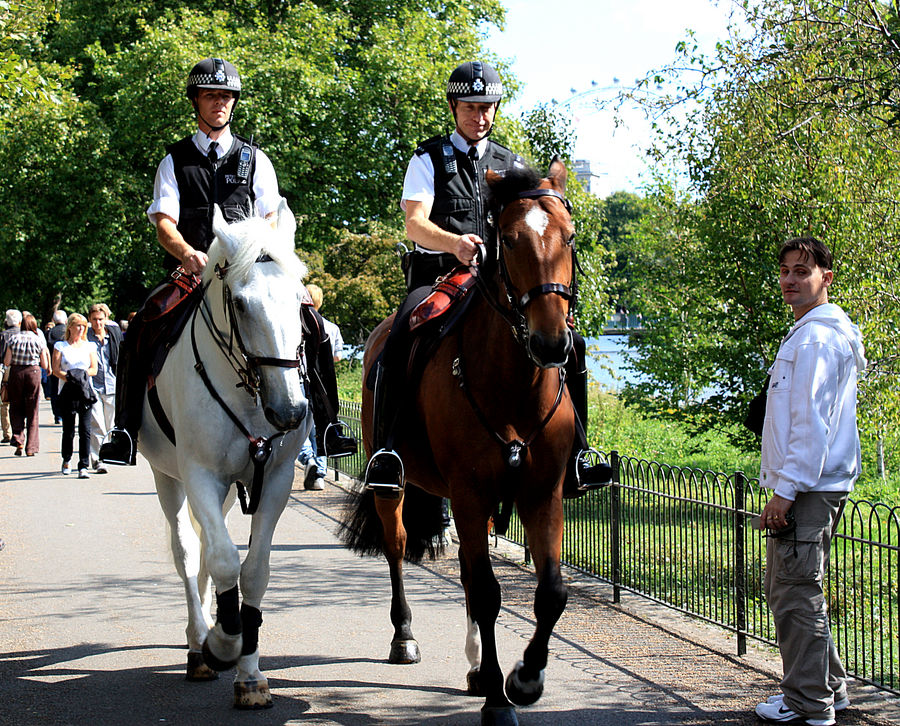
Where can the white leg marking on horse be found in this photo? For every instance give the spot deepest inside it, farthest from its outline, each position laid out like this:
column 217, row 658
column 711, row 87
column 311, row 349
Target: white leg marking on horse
column 538, row 220
column 473, row 643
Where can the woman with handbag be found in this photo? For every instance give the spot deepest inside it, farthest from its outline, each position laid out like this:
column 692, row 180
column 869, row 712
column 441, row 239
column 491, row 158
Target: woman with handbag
column 74, row 362
column 25, row 356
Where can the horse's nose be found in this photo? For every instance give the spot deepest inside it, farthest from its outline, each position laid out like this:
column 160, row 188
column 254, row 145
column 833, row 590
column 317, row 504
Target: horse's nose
column 550, row 351
column 285, row 418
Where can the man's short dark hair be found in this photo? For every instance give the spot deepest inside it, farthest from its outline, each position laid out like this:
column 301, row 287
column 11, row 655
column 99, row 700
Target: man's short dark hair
column 811, row 247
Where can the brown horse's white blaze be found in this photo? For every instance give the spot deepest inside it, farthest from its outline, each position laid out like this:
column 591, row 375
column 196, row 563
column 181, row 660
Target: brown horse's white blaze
column 542, row 238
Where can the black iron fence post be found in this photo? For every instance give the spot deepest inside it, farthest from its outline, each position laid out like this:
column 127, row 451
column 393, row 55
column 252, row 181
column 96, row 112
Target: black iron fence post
column 740, row 566
column 615, row 526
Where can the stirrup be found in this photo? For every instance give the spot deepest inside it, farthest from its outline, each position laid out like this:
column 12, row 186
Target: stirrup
column 347, row 445
column 110, row 451
column 590, row 460
column 392, row 486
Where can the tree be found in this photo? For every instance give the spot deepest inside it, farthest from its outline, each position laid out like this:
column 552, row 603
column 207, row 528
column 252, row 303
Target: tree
column 790, row 130
column 338, row 94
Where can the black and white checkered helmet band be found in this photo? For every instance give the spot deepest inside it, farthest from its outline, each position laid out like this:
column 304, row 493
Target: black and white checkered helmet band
column 215, row 80
column 476, row 87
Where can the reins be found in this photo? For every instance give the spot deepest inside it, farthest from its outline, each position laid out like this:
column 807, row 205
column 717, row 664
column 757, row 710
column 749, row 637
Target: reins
column 246, row 369
column 514, row 315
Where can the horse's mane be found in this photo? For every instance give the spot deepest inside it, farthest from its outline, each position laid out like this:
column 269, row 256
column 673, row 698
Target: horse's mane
column 509, row 185
column 255, row 237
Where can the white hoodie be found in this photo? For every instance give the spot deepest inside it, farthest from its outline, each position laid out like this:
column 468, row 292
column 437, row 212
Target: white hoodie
column 810, row 441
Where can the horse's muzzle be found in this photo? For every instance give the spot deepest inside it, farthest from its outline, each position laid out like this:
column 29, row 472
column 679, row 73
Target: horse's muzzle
column 549, row 352
column 286, row 418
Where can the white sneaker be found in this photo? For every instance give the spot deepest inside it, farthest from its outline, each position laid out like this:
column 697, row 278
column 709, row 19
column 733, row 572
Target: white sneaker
column 840, row 704
column 777, row 712
column 83, row 474
column 66, row 469
column 311, row 479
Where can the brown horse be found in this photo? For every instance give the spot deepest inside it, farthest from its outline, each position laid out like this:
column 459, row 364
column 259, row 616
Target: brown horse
column 491, row 426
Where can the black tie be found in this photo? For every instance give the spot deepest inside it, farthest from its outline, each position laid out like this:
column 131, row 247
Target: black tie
column 211, row 154
column 473, row 154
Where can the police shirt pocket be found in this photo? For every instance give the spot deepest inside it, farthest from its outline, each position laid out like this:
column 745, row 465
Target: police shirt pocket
column 800, row 556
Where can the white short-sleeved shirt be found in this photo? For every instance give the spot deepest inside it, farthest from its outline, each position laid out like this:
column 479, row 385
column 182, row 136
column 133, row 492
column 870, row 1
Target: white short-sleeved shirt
column 75, row 357
column 337, row 340
column 166, row 197
column 418, row 184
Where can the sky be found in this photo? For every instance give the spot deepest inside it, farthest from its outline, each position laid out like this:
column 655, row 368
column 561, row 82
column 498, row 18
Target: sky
column 574, row 50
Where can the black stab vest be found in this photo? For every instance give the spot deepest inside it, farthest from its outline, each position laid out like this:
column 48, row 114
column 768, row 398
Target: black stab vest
column 201, row 187
column 461, row 198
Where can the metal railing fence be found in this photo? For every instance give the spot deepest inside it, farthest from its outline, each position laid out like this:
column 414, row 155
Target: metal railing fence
column 683, row 537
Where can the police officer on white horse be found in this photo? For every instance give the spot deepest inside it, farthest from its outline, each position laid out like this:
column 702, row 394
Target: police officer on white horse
column 213, row 167
column 448, row 217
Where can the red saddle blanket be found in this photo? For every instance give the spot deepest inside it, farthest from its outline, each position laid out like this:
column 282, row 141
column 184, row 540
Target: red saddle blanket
column 447, row 291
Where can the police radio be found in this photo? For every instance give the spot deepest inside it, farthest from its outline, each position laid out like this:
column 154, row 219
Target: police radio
column 245, row 157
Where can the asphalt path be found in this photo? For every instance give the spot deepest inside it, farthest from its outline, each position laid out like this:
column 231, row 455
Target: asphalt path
column 92, row 620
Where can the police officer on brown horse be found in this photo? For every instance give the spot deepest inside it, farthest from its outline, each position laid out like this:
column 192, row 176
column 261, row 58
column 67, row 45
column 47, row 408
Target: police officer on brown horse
column 213, row 167
column 448, row 217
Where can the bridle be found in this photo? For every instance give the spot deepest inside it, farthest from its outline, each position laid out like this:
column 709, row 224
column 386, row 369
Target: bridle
column 247, row 368
column 514, row 311
column 514, row 314
column 245, row 365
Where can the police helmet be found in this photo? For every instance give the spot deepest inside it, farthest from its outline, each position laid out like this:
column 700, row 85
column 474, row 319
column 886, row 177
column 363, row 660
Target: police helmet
column 213, row 73
column 475, row 81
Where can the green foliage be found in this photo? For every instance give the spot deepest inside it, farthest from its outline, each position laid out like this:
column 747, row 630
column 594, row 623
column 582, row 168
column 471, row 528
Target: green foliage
column 338, row 94
column 361, row 280
column 791, row 130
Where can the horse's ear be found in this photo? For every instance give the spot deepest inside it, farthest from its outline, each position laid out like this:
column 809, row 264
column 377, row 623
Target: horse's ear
column 558, row 174
column 286, row 224
column 220, row 229
column 219, row 225
column 492, row 177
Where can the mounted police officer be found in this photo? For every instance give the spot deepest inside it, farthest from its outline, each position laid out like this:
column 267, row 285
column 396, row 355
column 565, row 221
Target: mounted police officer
column 448, row 217
column 211, row 167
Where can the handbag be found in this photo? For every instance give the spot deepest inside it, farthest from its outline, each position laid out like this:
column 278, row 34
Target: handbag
column 756, row 411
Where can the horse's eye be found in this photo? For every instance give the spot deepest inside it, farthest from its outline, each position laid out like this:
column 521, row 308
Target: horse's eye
column 239, row 305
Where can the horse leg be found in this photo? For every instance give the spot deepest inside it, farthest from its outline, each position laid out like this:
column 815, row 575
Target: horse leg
column 483, row 605
column 473, row 638
column 223, row 643
column 186, row 552
column 525, row 683
column 404, row 648
column 251, row 688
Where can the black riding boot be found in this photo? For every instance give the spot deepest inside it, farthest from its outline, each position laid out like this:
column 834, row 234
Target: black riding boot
column 131, row 378
column 385, row 469
column 585, row 469
column 333, row 436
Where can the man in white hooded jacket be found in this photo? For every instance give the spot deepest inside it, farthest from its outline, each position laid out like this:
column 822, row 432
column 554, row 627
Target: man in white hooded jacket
column 810, row 458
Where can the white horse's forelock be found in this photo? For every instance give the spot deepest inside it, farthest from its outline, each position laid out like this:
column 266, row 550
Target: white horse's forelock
column 253, row 237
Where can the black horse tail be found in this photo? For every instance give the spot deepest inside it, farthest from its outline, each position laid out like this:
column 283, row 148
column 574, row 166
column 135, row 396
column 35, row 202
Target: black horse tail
column 362, row 533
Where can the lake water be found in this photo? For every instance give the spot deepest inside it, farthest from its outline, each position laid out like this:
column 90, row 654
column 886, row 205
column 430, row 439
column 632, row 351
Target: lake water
column 607, row 359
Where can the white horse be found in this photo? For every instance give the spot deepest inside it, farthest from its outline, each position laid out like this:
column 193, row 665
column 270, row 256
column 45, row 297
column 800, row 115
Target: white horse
column 232, row 392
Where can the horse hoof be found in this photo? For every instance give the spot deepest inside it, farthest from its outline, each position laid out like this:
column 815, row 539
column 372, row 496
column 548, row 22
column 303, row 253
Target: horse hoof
column 197, row 670
column 213, row 661
column 498, row 716
column 404, row 652
column 473, row 683
column 522, row 692
column 252, row 695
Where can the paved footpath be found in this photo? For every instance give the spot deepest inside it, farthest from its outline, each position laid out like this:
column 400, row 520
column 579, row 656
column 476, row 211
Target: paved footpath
column 92, row 624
